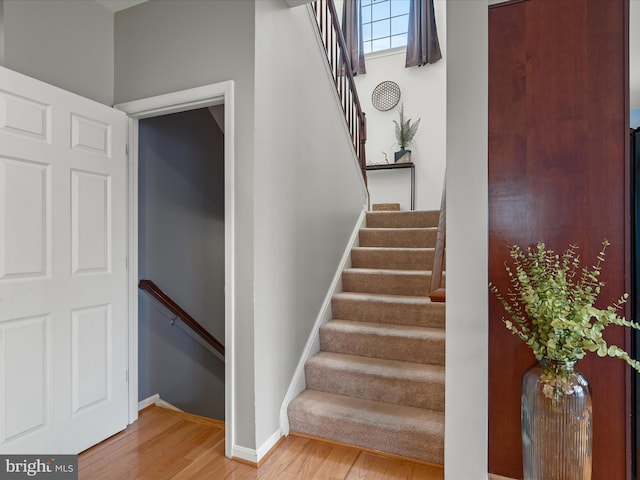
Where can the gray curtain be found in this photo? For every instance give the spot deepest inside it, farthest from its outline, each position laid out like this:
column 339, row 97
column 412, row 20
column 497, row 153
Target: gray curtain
column 352, row 31
column 422, row 38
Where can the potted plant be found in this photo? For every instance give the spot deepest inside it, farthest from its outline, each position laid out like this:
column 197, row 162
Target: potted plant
column 551, row 307
column 405, row 132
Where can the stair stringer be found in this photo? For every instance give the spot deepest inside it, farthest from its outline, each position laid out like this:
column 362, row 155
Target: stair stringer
column 312, row 347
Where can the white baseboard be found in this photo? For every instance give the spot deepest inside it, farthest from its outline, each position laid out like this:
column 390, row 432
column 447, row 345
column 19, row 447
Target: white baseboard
column 268, row 444
column 244, row 453
column 254, row 456
column 298, row 384
column 156, row 400
column 147, row 402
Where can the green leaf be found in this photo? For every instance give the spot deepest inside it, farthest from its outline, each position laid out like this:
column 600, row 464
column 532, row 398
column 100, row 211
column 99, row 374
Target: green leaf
column 551, row 300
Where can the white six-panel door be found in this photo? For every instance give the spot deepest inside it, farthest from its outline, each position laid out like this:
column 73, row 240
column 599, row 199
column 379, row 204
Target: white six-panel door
column 63, row 279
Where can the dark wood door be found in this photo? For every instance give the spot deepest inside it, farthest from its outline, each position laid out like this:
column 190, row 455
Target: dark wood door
column 558, row 149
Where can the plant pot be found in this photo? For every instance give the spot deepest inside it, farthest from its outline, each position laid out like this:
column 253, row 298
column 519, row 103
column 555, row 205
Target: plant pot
column 556, row 423
column 402, row 156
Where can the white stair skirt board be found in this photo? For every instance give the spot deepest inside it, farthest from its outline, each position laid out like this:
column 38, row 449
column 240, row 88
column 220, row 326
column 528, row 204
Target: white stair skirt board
column 298, row 384
column 157, row 401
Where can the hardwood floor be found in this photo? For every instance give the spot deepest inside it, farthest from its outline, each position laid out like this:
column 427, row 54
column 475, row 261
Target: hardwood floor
column 168, row 445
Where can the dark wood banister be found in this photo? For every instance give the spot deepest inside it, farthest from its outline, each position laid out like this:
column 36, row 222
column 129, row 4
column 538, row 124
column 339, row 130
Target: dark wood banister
column 168, row 302
column 337, row 56
column 437, row 293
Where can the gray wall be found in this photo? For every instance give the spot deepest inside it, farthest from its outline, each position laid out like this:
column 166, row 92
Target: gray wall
column 297, row 197
column 2, row 32
column 66, row 43
column 308, row 196
column 181, row 248
column 160, row 47
column 467, row 225
column 163, row 46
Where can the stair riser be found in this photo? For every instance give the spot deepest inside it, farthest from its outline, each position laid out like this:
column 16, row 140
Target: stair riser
column 415, row 444
column 418, row 219
column 425, row 393
column 386, row 207
column 417, row 238
column 422, row 315
column 408, row 349
column 390, row 259
column 417, row 284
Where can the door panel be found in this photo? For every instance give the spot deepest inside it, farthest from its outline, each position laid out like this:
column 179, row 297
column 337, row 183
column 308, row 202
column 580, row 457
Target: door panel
column 91, row 352
column 25, row 232
column 25, row 365
column 90, row 135
column 63, row 281
column 25, row 117
column 90, row 222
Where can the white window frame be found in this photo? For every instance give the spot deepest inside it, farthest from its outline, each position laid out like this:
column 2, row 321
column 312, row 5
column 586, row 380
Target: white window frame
column 392, row 50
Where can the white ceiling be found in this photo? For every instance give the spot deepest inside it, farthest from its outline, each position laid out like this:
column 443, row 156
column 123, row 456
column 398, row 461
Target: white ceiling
column 117, row 5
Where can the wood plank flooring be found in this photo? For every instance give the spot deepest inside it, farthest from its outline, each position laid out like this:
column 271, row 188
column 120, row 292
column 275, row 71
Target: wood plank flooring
column 168, row 445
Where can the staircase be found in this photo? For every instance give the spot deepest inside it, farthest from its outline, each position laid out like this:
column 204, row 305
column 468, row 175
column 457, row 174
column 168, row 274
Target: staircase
column 378, row 380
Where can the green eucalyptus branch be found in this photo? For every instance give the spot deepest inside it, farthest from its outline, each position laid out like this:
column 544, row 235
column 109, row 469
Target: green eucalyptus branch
column 550, row 305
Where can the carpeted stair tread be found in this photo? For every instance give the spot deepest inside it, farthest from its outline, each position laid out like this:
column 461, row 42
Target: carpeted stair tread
column 415, row 219
column 392, row 258
column 390, row 282
column 379, row 379
column 394, row 309
column 398, row 237
column 380, row 340
column 391, row 381
column 408, row 431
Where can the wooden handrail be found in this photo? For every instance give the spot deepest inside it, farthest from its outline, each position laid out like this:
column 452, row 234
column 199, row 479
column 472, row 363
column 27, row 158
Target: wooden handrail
column 172, row 306
column 338, row 58
column 437, row 293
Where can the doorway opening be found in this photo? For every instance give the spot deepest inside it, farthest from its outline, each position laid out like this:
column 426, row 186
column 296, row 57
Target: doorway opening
column 181, row 254
column 181, row 190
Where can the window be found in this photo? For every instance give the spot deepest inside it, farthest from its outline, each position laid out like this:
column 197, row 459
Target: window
column 384, row 24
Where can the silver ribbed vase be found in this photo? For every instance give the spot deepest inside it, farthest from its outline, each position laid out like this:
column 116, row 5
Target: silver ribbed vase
column 556, row 423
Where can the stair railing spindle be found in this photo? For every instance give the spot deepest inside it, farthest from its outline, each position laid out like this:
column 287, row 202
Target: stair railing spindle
column 337, row 57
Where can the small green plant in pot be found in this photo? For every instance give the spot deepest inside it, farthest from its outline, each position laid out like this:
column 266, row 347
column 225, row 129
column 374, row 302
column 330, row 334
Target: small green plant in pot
column 405, row 132
column 551, row 307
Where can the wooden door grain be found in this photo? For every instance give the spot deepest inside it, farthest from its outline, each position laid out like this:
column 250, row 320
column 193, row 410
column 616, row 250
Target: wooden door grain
column 558, row 127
